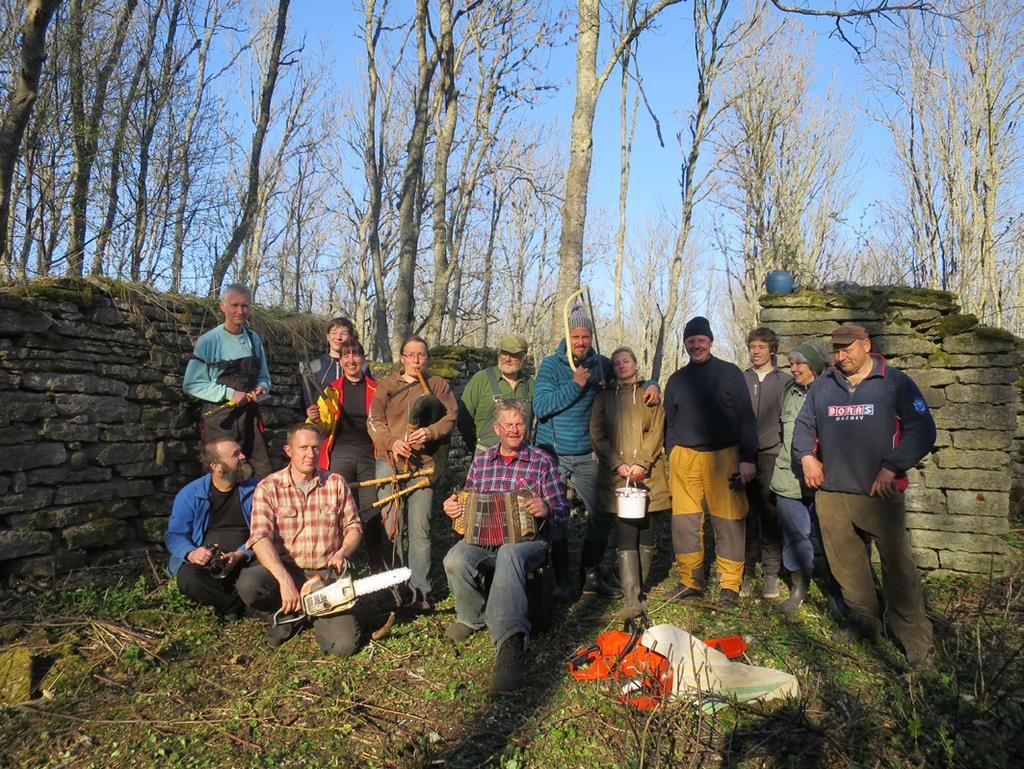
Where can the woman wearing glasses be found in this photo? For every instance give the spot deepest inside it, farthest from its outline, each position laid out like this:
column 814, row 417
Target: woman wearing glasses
column 411, row 420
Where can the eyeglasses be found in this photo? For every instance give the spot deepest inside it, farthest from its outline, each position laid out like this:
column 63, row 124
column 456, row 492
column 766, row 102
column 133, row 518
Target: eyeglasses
column 415, row 355
column 506, row 354
column 514, row 428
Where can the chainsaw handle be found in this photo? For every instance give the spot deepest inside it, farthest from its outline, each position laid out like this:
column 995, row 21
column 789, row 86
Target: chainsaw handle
column 280, row 618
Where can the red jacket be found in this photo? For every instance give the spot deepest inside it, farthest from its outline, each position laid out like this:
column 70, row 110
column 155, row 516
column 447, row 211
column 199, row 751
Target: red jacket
column 338, row 387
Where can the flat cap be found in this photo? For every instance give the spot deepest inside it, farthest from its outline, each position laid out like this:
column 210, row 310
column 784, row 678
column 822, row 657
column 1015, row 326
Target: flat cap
column 512, row 343
column 848, row 334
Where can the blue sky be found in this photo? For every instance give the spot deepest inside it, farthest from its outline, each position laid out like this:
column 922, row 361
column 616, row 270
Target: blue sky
column 667, row 65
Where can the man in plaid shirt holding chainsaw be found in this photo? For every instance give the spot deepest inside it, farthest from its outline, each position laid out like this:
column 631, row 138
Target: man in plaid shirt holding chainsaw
column 304, row 523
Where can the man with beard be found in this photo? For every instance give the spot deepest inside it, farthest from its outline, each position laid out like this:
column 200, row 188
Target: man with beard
column 490, row 386
column 711, row 442
column 213, row 512
column 562, row 400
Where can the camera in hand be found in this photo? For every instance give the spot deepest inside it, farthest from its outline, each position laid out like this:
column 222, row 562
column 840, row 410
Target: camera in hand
column 217, row 566
column 735, row 481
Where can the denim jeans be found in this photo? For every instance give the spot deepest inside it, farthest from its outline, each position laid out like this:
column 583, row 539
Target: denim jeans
column 581, row 470
column 797, row 531
column 417, row 506
column 505, row 609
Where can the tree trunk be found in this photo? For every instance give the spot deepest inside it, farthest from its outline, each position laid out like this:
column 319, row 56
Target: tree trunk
column 244, row 223
column 412, row 179
column 85, row 128
column 33, row 52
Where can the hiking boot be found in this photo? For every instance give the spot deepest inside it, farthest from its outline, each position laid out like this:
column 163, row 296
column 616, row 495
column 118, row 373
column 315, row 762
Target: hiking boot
column 728, row 599
column 747, row 587
column 458, row 632
column 770, row 587
column 684, row 594
column 508, row 670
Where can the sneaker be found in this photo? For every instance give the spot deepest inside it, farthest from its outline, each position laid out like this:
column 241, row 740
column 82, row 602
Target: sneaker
column 508, row 670
column 685, row 594
column 770, row 588
column 747, row 587
column 458, row 632
column 728, row 599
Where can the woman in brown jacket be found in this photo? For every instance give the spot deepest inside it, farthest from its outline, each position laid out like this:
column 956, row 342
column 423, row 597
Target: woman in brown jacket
column 401, row 445
column 629, row 438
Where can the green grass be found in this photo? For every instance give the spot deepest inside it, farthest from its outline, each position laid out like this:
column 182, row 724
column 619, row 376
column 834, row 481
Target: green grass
column 197, row 693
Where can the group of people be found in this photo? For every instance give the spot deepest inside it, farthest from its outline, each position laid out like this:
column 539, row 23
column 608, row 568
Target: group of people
column 772, row 458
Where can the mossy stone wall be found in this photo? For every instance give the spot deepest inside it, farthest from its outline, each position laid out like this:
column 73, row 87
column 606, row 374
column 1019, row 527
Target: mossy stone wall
column 962, row 495
column 96, row 435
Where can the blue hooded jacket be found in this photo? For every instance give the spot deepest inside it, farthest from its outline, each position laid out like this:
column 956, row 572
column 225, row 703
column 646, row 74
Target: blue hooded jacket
column 562, row 407
column 190, row 518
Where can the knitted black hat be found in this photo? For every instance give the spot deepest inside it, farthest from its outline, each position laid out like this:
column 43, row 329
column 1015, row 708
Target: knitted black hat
column 698, row 326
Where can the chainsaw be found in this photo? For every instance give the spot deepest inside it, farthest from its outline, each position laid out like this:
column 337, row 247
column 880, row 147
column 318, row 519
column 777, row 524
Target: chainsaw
column 323, row 597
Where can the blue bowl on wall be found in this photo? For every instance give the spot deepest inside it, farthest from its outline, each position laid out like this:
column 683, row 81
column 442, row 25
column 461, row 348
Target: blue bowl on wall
column 779, row 282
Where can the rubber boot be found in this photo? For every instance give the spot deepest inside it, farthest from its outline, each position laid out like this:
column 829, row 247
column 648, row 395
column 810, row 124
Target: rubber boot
column 646, row 562
column 797, row 591
column 590, row 571
column 629, row 577
column 560, row 564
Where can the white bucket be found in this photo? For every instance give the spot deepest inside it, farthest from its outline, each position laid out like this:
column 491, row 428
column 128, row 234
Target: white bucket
column 630, row 502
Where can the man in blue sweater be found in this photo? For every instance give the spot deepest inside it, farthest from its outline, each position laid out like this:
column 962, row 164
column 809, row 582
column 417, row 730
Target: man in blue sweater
column 228, row 373
column 862, row 426
column 213, row 510
column 562, row 398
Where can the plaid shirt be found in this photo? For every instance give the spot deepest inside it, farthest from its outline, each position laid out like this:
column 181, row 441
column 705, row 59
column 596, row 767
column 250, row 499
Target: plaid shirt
column 531, row 469
column 305, row 530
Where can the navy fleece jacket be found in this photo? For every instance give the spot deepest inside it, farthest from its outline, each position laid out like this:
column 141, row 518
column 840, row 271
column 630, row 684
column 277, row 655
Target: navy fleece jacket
column 884, row 422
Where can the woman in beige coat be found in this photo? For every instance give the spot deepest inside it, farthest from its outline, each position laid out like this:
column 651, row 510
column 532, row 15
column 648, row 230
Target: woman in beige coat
column 629, row 438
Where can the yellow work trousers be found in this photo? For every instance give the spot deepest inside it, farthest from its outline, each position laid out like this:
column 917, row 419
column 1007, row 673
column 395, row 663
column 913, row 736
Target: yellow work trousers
column 696, row 479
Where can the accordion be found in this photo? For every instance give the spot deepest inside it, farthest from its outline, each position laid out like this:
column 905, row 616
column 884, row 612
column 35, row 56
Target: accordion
column 494, row 519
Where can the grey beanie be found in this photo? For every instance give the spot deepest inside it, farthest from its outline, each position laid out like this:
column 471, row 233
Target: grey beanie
column 579, row 319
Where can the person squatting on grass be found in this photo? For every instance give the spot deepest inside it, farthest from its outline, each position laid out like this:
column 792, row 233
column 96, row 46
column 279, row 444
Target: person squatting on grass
column 304, row 523
column 209, row 526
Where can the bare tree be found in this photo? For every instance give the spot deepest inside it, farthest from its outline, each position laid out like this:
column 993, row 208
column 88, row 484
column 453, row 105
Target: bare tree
column 243, row 224
column 33, row 49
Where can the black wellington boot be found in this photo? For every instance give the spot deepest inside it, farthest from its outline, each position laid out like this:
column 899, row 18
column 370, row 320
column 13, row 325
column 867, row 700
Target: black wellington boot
column 560, row 565
column 797, row 591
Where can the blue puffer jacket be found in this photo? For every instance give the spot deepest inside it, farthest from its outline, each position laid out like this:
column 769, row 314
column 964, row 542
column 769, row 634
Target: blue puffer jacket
column 562, row 407
column 190, row 518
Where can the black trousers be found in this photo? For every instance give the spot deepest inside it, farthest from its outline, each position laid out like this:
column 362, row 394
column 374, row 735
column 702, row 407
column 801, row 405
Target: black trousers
column 337, row 635
column 243, row 425
column 362, row 467
column 763, row 537
column 206, row 590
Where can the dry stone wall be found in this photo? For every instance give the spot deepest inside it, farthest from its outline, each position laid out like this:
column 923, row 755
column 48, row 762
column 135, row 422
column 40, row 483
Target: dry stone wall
column 961, row 496
column 96, row 435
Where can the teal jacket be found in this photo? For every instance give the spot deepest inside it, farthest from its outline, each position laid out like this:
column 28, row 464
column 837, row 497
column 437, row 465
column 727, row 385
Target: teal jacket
column 562, row 407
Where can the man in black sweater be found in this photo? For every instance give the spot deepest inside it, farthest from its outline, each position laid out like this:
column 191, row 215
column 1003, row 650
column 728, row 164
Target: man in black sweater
column 711, row 441
column 862, row 426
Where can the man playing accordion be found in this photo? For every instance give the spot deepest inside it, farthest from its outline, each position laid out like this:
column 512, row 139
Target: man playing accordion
column 511, row 466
